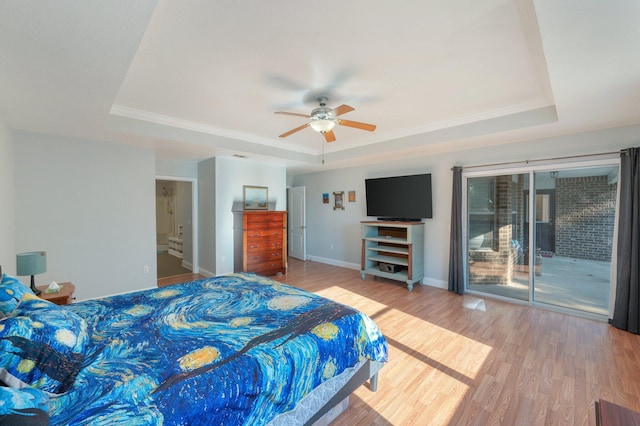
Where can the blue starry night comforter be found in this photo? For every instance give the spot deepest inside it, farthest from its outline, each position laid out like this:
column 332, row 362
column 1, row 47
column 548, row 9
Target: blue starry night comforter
column 237, row 349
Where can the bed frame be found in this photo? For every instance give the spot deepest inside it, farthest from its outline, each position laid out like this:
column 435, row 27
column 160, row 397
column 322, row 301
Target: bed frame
column 368, row 372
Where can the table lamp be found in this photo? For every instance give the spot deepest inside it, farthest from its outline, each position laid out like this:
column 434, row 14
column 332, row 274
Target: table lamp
column 31, row 263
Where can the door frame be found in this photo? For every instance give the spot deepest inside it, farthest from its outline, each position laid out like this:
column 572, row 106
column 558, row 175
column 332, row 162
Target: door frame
column 293, row 212
column 194, row 215
column 531, row 169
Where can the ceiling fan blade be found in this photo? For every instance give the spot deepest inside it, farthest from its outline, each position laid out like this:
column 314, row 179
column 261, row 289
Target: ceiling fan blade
column 297, row 129
column 292, row 113
column 329, row 136
column 342, row 109
column 357, row 125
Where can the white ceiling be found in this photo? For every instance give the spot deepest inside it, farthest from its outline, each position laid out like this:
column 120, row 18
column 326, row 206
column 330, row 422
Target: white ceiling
column 201, row 78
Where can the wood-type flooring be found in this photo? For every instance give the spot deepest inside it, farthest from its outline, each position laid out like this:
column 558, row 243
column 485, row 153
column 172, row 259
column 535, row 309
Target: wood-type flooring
column 466, row 360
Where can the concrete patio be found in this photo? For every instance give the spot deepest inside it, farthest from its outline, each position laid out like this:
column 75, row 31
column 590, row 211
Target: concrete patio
column 567, row 282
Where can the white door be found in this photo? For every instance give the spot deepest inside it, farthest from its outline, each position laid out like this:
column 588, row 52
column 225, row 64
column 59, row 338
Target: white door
column 297, row 223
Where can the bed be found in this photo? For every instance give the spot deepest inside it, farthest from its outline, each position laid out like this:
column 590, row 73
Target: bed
column 236, row 349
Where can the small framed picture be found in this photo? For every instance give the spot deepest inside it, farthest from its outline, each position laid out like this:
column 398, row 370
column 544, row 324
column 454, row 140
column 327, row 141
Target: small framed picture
column 338, row 200
column 325, row 198
column 352, row 196
column 255, row 197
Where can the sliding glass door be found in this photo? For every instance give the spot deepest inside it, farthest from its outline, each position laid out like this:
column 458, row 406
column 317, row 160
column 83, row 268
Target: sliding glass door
column 570, row 211
column 496, row 232
column 574, row 229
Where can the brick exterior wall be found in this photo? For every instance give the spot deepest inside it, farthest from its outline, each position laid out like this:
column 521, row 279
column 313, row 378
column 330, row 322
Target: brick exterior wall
column 585, row 216
column 584, row 222
column 497, row 266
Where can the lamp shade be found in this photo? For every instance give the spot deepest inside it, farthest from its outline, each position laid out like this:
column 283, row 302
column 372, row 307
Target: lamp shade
column 31, row 263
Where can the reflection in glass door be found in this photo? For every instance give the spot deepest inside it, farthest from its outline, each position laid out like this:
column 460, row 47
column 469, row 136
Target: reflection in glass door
column 572, row 216
column 496, row 232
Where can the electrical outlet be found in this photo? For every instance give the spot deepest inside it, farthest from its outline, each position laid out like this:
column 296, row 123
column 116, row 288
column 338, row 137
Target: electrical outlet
column 145, row 269
column 331, row 246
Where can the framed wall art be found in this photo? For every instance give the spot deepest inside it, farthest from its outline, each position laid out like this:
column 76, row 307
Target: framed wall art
column 255, row 197
column 338, row 200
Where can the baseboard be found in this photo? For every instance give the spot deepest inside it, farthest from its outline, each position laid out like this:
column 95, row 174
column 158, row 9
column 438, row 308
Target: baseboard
column 187, row 265
column 116, row 294
column 334, row 262
column 206, row 273
column 432, row 282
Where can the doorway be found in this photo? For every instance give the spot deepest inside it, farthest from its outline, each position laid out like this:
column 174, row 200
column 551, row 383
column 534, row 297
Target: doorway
column 570, row 210
column 176, row 227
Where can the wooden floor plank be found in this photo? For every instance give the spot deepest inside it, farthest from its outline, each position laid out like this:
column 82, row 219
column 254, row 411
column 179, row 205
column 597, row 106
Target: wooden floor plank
column 469, row 360
column 176, row 279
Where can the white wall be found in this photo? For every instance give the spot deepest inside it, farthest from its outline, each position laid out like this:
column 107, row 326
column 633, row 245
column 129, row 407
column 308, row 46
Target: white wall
column 333, row 236
column 176, row 168
column 326, row 227
column 207, row 216
column 220, row 182
column 7, row 201
column 231, row 175
column 91, row 207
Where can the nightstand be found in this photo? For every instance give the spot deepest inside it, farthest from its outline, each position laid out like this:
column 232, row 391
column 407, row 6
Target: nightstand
column 62, row 297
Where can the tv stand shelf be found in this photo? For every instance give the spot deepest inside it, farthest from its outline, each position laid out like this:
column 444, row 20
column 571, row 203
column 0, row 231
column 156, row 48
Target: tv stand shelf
column 393, row 250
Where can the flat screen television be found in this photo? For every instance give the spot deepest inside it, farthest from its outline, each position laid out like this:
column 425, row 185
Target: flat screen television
column 403, row 198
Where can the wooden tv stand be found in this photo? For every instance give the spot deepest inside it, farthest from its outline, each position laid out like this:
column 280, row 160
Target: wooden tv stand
column 393, row 250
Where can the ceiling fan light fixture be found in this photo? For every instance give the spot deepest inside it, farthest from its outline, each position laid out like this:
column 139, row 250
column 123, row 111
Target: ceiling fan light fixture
column 324, row 119
column 322, row 125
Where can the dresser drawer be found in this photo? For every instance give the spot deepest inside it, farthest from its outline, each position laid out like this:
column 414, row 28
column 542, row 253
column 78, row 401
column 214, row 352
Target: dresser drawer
column 257, row 258
column 267, row 268
column 264, row 245
column 264, row 225
column 64, row 300
column 264, row 217
column 264, row 233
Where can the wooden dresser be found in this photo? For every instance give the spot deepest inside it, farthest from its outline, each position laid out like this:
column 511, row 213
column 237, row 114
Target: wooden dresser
column 260, row 242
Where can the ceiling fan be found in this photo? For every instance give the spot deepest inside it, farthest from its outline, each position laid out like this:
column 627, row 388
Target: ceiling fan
column 324, row 119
